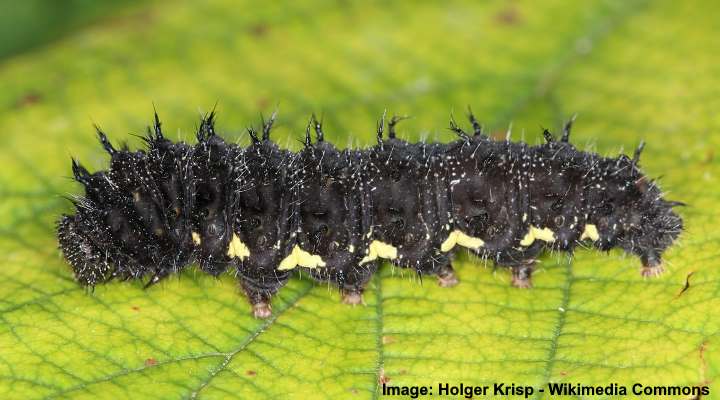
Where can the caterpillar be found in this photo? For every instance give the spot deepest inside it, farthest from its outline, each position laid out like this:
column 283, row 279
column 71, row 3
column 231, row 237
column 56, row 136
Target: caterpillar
column 335, row 214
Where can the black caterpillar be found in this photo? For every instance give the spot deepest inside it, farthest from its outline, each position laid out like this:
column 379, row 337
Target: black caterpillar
column 335, row 213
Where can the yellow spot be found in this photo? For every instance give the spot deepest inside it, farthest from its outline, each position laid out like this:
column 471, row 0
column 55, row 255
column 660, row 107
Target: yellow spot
column 237, row 248
column 535, row 233
column 302, row 258
column 590, row 232
column 196, row 238
column 458, row 237
column 379, row 249
column 544, row 234
column 528, row 239
column 351, row 248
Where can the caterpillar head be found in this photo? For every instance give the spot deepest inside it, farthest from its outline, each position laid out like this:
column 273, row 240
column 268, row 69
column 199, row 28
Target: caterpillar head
column 104, row 239
column 81, row 249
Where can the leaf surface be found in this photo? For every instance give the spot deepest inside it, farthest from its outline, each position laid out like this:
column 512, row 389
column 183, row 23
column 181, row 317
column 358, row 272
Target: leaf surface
column 630, row 70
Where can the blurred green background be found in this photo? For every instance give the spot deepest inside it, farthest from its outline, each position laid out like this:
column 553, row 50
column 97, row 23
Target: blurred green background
column 631, row 70
column 27, row 25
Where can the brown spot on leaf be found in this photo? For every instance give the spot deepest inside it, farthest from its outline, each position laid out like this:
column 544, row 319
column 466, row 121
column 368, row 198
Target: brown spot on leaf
column 704, row 381
column 703, row 363
column 263, row 102
column 28, row 99
column 135, row 308
column 709, row 156
column 250, row 373
column 259, row 29
column 150, row 362
column 388, row 339
column 509, row 16
column 382, row 378
column 131, row 21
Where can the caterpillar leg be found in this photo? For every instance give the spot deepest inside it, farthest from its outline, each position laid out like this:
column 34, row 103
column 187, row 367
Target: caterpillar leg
column 352, row 291
column 260, row 292
column 260, row 301
column 352, row 282
column 157, row 277
column 522, row 275
column 262, row 310
column 447, row 277
column 652, row 266
column 352, row 296
column 651, row 272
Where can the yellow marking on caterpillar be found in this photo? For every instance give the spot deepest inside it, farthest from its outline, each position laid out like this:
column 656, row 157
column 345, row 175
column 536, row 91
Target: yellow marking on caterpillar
column 237, row 248
column 302, row 258
column 458, row 237
column 381, row 250
column 544, row 234
column 196, row 238
column 528, row 239
column 535, row 233
column 590, row 232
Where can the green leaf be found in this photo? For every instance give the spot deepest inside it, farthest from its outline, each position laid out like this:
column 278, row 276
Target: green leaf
column 27, row 24
column 630, row 70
